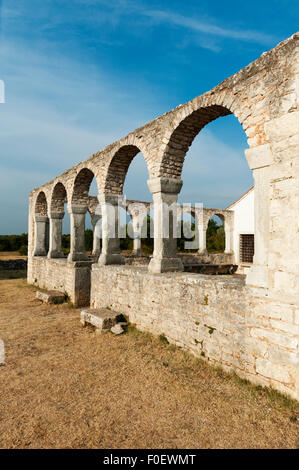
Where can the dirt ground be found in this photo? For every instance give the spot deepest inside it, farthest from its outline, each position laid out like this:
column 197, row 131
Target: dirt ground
column 64, row 386
column 6, row 255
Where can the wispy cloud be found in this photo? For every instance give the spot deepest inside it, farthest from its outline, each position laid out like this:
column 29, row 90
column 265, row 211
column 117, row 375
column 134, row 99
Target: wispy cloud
column 205, row 27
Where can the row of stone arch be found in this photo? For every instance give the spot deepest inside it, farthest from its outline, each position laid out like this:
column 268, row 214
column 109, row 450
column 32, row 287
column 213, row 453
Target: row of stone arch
column 164, row 144
column 48, row 222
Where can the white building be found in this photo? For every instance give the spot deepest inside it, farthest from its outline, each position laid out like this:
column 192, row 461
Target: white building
column 243, row 232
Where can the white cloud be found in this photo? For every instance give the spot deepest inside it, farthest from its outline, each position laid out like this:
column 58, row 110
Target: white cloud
column 208, row 28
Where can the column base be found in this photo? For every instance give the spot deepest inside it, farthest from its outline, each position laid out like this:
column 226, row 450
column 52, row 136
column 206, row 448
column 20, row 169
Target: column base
column 164, row 265
column 77, row 257
column 258, row 276
column 109, row 258
column 137, row 252
column 40, row 253
column 96, row 256
column 55, row 254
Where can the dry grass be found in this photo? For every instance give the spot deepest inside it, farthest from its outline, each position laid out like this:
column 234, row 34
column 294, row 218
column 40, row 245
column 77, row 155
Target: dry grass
column 66, row 387
column 6, row 255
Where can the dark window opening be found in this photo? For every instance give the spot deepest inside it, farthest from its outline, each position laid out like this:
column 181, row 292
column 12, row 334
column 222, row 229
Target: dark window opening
column 246, row 248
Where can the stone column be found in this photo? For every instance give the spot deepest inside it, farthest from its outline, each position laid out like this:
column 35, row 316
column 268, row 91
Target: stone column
column 138, row 216
column 260, row 159
column 202, row 240
column 228, row 230
column 96, row 246
column 110, row 230
column 137, row 235
column 165, row 192
column 55, row 248
column 40, row 235
column 77, row 224
column 202, row 225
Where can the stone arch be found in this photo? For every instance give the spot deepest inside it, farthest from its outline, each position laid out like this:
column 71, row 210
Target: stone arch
column 189, row 120
column 41, row 204
column 118, row 168
column 58, row 197
column 81, row 187
column 227, row 218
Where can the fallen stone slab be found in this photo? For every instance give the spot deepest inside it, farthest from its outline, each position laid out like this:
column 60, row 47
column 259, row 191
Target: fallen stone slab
column 102, row 318
column 50, row 296
column 117, row 329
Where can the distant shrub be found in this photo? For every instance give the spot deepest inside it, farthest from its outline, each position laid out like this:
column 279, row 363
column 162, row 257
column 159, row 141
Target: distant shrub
column 23, row 250
column 13, row 242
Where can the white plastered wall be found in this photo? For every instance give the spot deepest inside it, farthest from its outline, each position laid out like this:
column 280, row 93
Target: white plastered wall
column 243, row 220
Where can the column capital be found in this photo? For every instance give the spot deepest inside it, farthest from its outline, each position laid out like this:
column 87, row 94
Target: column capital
column 56, row 215
column 110, row 198
column 165, row 185
column 41, row 218
column 95, row 218
column 75, row 209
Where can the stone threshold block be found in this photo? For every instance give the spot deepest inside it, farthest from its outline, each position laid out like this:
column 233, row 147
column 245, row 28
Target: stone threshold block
column 50, row 296
column 102, row 318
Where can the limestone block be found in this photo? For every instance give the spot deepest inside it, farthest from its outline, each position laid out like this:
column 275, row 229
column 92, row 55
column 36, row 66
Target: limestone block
column 260, row 156
column 117, row 329
column 283, row 127
column 102, row 318
column 273, row 371
column 50, row 297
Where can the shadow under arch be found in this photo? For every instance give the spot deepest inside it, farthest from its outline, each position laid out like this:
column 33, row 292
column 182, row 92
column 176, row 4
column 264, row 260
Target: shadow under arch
column 58, row 198
column 41, row 204
column 81, row 187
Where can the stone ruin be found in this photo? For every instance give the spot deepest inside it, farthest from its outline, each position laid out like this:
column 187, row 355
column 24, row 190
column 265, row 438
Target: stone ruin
column 249, row 324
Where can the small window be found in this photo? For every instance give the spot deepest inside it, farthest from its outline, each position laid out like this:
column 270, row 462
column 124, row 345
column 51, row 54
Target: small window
column 246, row 248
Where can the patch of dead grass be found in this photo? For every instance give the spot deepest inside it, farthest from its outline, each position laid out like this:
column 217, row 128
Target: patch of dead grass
column 6, row 255
column 64, row 386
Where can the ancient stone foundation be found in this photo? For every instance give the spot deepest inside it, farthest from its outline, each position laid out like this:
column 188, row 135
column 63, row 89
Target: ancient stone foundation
column 250, row 323
column 218, row 318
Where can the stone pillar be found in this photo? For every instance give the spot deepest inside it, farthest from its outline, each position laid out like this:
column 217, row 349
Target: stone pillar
column 137, row 235
column 202, row 240
column 202, row 225
column 110, row 230
column 40, row 235
column 55, row 248
column 228, row 230
column 96, row 246
column 260, row 159
column 165, row 192
column 138, row 216
column 77, row 224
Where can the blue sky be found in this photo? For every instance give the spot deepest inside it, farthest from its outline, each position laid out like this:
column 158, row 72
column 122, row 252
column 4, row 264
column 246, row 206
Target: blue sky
column 80, row 74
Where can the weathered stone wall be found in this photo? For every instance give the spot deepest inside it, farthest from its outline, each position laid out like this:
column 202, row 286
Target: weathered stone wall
column 72, row 279
column 215, row 317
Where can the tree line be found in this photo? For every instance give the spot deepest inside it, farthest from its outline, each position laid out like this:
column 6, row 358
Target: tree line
column 215, row 240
